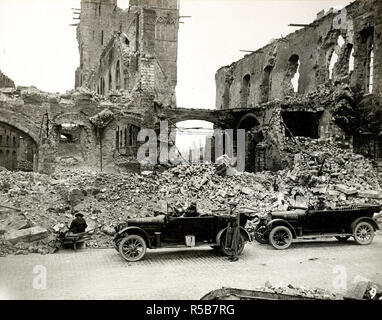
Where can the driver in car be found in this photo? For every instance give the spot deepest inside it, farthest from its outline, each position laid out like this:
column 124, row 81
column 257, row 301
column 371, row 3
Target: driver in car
column 191, row 211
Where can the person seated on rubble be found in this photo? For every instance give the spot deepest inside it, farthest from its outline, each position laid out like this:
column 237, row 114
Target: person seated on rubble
column 191, row 211
column 78, row 225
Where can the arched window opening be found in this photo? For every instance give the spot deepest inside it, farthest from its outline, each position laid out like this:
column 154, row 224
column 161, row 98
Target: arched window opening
column 14, row 142
column 332, row 62
column 102, row 86
column 117, row 76
column 117, row 139
column 254, row 157
column 7, row 141
column 296, row 77
column 110, row 81
column 125, row 141
column 351, row 60
column 367, row 36
column 370, row 70
column 266, row 84
column 245, row 90
column 292, row 73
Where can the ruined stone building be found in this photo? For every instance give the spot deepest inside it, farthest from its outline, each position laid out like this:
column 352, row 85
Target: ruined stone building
column 324, row 80
column 128, row 65
column 128, row 50
column 321, row 81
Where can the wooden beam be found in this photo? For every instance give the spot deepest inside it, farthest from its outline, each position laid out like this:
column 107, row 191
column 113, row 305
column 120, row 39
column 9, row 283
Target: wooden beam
column 298, row 25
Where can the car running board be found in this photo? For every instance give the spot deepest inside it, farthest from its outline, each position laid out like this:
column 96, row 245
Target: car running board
column 326, row 235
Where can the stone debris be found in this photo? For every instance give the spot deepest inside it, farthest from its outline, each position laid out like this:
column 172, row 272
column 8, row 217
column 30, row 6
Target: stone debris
column 26, row 235
column 107, row 199
column 314, row 293
column 346, row 190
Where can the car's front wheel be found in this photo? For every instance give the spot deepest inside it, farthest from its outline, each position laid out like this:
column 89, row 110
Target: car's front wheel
column 363, row 232
column 132, row 248
column 281, row 237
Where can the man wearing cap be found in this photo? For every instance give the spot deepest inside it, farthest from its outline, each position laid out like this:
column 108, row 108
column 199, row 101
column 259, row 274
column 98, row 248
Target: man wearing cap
column 78, row 225
column 233, row 233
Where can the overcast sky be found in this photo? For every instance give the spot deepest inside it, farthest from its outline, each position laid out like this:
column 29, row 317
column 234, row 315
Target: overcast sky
column 38, row 47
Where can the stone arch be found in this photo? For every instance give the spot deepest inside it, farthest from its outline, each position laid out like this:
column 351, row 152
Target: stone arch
column 22, row 124
column 82, row 145
column 246, row 119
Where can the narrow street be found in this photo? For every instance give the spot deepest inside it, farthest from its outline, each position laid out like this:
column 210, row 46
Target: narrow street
column 187, row 274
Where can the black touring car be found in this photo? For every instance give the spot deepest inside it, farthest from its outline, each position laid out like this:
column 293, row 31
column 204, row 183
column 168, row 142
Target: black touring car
column 280, row 228
column 133, row 237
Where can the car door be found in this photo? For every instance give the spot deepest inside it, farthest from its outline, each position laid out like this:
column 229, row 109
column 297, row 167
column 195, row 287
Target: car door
column 172, row 231
column 318, row 222
column 203, row 228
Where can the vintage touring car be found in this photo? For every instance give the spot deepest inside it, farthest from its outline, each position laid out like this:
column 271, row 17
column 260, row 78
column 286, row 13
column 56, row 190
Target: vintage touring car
column 280, row 228
column 133, row 237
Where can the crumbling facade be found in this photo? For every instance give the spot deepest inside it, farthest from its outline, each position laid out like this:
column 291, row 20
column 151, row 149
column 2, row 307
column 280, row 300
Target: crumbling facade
column 5, row 82
column 324, row 80
column 135, row 49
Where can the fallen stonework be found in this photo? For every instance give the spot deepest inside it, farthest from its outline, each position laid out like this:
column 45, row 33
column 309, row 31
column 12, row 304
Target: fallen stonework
column 321, row 171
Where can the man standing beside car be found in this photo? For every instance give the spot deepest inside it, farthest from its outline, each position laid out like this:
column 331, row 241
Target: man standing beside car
column 233, row 233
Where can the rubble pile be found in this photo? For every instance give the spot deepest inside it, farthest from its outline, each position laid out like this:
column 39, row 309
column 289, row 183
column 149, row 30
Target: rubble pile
column 303, row 292
column 320, row 171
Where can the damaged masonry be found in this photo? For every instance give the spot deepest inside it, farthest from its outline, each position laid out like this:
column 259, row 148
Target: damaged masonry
column 309, row 105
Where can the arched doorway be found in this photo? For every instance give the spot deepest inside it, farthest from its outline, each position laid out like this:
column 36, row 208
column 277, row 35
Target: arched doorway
column 194, row 140
column 255, row 156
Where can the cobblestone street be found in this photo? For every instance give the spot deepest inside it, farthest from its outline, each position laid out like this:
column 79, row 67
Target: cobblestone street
column 187, row 274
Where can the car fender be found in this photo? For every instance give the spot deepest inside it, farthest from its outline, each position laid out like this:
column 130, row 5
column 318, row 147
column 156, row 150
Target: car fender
column 135, row 230
column 281, row 222
column 368, row 219
column 243, row 232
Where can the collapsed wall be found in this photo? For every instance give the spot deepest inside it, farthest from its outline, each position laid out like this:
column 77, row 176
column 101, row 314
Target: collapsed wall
column 324, row 78
column 61, row 133
column 321, row 172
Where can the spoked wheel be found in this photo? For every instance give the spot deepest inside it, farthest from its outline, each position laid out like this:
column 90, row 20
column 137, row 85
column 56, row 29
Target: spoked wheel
column 132, row 248
column 363, row 233
column 262, row 234
column 342, row 238
column 281, row 237
column 227, row 250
